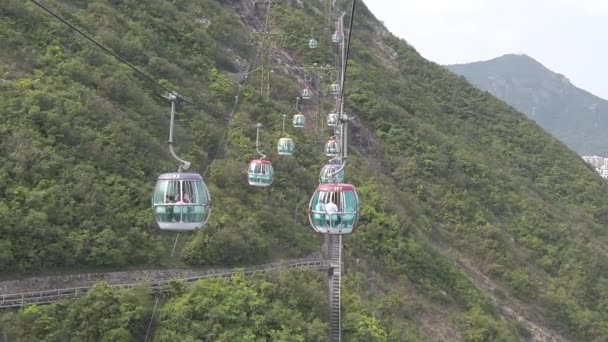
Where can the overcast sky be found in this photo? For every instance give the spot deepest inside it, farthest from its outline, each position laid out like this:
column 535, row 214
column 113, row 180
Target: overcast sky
column 569, row 37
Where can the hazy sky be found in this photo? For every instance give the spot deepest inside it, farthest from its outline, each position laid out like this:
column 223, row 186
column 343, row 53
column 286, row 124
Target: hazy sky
column 569, row 37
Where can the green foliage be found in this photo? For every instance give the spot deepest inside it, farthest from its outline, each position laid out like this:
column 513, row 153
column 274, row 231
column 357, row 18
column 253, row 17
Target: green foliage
column 247, row 310
column 479, row 327
column 102, row 313
column 83, row 138
column 290, row 307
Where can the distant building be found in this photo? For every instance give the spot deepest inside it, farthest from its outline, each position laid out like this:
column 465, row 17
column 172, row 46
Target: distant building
column 600, row 164
column 595, row 161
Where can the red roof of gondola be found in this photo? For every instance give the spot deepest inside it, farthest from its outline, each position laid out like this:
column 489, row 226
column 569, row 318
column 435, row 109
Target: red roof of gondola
column 260, row 161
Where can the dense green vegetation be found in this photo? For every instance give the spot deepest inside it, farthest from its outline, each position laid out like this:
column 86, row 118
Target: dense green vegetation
column 455, row 185
column 291, row 307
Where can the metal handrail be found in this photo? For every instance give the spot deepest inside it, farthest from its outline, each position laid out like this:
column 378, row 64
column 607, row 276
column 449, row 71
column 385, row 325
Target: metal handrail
column 48, row 296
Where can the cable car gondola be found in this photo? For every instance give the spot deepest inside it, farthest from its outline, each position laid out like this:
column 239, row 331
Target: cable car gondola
column 306, row 93
column 332, row 148
column 331, row 173
column 260, row 172
column 336, row 38
column 334, row 89
column 299, row 120
column 332, row 119
column 286, row 146
column 334, row 209
column 181, row 201
column 312, row 43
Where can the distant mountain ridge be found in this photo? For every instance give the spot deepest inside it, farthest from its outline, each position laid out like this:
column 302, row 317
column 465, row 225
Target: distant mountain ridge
column 573, row 115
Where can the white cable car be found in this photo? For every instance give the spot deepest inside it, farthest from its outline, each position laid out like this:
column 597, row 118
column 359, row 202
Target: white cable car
column 299, row 120
column 332, row 119
column 331, row 173
column 307, row 93
column 313, row 43
column 260, row 172
column 286, row 147
column 332, row 148
column 181, row 201
column 334, row 89
column 334, row 209
column 336, row 38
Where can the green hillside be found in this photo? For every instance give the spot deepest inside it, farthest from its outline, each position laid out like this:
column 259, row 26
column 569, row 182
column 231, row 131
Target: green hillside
column 471, row 214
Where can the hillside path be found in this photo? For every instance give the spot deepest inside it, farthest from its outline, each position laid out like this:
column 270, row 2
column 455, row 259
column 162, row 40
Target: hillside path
column 45, row 283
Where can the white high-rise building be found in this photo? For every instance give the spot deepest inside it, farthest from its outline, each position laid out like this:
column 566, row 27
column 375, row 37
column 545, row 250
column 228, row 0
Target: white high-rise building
column 600, row 164
column 596, row 161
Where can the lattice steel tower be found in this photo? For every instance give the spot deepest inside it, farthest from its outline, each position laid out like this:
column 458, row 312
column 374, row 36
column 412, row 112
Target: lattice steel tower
column 266, row 41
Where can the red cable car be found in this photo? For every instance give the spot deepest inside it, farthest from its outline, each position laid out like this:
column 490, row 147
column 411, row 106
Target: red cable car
column 334, row 209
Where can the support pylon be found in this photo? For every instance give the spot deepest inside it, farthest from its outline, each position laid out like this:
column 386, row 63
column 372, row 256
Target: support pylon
column 266, row 41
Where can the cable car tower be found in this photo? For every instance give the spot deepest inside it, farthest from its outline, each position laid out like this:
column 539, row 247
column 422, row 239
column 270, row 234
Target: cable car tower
column 266, row 41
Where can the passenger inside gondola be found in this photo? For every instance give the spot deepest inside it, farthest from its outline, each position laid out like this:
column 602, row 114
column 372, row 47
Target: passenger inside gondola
column 332, row 216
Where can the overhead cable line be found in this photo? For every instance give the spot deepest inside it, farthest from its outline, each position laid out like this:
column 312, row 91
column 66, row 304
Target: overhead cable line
column 345, row 66
column 209, row 110
column 219, row 146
